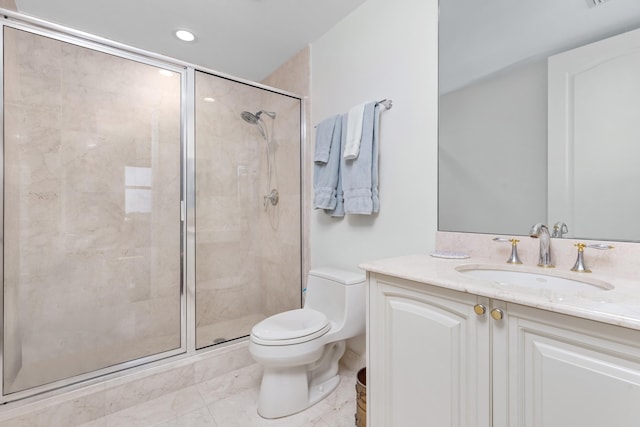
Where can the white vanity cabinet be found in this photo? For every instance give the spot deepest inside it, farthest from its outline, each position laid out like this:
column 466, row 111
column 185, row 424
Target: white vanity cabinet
column 436, row 358
column 428, row 356
column 553, row 370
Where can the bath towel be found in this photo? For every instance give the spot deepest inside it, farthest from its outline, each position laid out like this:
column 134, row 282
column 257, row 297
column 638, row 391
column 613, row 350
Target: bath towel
column 360, row 175
column 338, row 211
column 354, row 132
column 326, row 173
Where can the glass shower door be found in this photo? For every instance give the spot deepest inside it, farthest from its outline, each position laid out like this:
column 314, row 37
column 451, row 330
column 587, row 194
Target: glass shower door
column 247, row 207
column 92, row 227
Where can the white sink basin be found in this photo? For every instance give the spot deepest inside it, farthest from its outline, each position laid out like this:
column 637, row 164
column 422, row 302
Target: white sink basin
column 531, row 279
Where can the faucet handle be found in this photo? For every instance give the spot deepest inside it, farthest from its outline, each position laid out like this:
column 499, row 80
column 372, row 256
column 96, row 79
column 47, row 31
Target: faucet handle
column 559, row 229
column 600, row 246
column 513, row 259
column 579, row 266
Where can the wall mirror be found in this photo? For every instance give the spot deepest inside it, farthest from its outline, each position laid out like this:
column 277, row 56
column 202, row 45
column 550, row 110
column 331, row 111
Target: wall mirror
column 539, row 117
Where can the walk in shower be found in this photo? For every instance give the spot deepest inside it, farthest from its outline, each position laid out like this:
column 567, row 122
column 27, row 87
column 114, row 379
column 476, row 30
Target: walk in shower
column 135, row 222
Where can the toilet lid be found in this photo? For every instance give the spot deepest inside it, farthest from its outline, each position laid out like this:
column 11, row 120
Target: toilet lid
column 289, row 325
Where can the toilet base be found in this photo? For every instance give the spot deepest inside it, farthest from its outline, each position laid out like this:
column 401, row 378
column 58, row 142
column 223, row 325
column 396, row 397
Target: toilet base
column 290, row 400
column 319, row 392
column 288, row 390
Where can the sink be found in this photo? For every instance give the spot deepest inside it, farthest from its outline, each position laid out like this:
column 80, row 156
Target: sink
column 534, row 279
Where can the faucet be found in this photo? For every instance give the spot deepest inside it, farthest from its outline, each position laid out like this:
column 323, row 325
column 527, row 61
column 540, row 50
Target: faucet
column 541, row 231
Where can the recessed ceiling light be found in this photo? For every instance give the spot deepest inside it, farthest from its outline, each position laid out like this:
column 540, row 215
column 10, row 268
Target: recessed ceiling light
column 185, row 35
column 208, row 99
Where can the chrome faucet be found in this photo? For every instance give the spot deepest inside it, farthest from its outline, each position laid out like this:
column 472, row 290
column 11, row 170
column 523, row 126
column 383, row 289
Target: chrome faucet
column 541, row 231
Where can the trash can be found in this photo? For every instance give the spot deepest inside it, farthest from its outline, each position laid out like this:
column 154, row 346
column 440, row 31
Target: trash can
column 361, row 398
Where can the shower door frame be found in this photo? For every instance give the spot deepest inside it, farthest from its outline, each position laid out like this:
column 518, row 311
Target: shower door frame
column 107, row 48
column 187, row 196
column 189, row 203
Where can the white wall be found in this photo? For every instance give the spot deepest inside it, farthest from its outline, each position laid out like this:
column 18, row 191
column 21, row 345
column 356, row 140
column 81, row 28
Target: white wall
column 384, row 49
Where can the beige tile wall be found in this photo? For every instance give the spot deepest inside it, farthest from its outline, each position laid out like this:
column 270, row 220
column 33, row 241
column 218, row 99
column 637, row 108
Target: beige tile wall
column 280, row 225
column 295, row 76
column 8, row 4
column 92, row 258
column 247, row 257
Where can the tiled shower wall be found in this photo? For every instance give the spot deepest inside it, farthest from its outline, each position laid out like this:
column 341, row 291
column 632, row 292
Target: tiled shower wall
column 247, row 256
column 92, row 216
column 295, row 76
column 280, row 254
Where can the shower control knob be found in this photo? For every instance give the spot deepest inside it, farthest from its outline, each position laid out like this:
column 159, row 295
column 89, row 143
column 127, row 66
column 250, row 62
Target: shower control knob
column 272, row 197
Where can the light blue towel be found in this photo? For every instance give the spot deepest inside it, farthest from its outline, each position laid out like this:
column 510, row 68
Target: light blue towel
column 375, row 200
column 338, row 211
column 360, row 175
column 324, row 135
column 326, row 173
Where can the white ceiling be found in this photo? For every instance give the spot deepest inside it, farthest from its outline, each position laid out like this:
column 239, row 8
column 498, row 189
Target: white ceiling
column 244, row 38
column 479, row 38
column 251, row 38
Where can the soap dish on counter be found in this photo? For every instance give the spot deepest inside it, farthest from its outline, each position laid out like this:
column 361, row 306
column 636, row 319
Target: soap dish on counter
column 449, row 254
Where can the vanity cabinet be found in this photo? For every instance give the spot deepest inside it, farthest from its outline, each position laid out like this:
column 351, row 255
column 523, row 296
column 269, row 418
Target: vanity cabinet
column 438, row 357
column 554, row 370
column 428, row 356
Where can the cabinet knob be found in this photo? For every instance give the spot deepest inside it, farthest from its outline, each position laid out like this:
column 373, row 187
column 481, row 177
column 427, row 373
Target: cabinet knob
column 497, row 313
column 479, row 309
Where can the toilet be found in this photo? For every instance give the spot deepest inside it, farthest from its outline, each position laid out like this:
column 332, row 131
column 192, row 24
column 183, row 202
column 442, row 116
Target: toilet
column 300, row 349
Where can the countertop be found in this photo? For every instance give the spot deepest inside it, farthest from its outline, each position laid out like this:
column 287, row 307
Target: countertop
column 618, row 306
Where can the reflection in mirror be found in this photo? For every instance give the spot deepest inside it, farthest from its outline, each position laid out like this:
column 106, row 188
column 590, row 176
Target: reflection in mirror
column 496, row 120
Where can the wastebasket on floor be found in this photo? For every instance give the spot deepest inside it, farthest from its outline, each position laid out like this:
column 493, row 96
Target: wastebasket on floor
column 361, row 398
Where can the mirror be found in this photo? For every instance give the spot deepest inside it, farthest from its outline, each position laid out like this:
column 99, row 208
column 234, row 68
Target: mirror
column 500, row 168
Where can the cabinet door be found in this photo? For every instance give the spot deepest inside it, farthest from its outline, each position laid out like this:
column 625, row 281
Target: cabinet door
column 565, row 371
column 428, row 356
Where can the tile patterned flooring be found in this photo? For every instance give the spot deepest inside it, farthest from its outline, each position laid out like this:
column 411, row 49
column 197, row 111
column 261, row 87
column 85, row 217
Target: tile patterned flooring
column 231, row 400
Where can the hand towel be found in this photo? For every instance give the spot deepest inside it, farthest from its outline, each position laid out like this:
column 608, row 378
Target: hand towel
column 338, row 211
column 324, row 134
column 358, row 175
column 326, row 174
column 354, row 132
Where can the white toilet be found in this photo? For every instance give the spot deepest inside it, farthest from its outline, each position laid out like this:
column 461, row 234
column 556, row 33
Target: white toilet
column 300, row 349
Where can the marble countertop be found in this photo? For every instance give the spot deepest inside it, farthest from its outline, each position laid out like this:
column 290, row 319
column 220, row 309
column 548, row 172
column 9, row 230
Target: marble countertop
column 617, row 306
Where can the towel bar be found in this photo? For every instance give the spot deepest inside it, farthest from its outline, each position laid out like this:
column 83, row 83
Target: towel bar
column 386, row 102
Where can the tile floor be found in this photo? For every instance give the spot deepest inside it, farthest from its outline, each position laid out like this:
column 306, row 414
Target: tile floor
column 231, row 400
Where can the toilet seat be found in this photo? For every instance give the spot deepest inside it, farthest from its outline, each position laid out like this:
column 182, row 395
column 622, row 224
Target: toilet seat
column 291, row 327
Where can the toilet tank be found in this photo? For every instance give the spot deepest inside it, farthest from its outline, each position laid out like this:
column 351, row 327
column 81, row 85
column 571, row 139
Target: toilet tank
column 331, row 291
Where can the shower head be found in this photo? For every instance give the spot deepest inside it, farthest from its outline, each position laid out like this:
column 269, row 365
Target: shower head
column 250, row 117
column 254, row 118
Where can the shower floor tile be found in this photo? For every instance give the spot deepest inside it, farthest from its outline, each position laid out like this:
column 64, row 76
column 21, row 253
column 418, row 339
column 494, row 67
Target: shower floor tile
column 231, row 400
